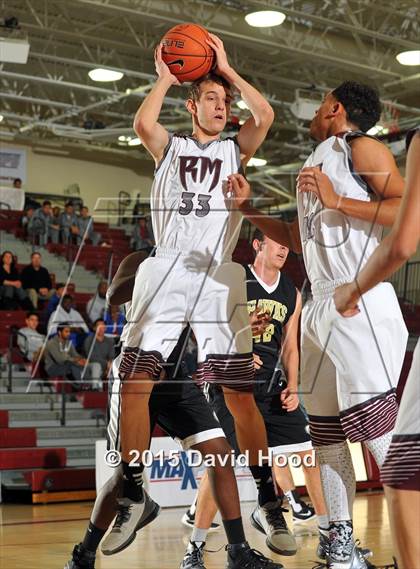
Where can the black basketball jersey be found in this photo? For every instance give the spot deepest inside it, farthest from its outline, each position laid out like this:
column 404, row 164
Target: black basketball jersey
column 280, row 303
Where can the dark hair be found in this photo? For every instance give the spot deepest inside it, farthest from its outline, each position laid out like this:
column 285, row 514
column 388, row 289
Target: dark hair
column 61, row 326
column 361, row 103
column 12, row 264
column 194, row 90
column 36, row 253
column 258, row 234
column 59, row 285
column 32, row 313
column 17, row 180
column 98, row 320
column 66, row 296
column 46, row 202
column 68, row 203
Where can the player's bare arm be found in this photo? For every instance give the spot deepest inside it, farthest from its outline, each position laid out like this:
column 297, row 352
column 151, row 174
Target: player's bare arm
column 152, row 134
column 254, row 130
column 376, row 165
column 285, row 233
column 121, row 288
column 290, row 358
column 396, row 248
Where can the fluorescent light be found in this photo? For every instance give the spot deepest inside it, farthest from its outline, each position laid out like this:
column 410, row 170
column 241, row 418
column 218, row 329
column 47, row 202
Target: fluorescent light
column 242, row 105
column 257, row 162
column 375, row 130
column 105, row 75
column 242, row 121
column 124, row 138
column 134, row 142
column 265, row 18
column 1, row 117
column 409, row 57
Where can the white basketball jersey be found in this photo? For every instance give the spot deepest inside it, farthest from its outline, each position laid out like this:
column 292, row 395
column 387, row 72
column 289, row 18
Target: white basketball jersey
column 335, row 246
column 189, row 210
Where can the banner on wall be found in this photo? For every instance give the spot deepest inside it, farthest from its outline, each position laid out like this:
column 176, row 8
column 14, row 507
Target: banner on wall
column 12, row 165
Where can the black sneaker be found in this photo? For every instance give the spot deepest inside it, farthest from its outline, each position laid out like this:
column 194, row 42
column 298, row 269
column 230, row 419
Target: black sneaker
column 302, row 512
column 81, row 559
column 188, row 519
column 243, row 557
column 193, row 558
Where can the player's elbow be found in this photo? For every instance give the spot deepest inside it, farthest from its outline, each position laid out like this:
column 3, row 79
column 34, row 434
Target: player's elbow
column 266, row 115
column 401, row 250
column 142, row 128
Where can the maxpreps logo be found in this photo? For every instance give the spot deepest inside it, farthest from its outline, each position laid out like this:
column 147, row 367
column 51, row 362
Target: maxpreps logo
column 174, row 470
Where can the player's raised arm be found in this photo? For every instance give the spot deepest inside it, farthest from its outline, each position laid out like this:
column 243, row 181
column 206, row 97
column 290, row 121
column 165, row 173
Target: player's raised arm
column 396, row 248
column 285, row 233
column 254, row 130
column 152, row 134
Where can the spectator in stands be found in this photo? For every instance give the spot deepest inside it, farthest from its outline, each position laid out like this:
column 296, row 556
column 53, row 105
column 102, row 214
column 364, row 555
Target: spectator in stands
column 17, row 183
column 96, row 306
column 55, row 224
column 36, row 280
column 114, row 320
column 67, row 220
column 99, row 349
column 42, row 218
column 26, row 218
column 84, row 228
column 29, row 340
column 142, row 237
column 60, row 289
column 66, row 313
column 12, row 295
column 62, row 359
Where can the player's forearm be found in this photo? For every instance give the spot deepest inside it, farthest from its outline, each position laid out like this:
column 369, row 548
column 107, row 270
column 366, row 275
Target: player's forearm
column 259, row 106
column 280, row 231
column 290, row 360
column 383, row 212
column 148, row 114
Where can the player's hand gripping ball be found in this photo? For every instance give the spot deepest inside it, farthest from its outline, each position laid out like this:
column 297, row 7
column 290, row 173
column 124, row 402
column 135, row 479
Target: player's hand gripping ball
column 187, row 53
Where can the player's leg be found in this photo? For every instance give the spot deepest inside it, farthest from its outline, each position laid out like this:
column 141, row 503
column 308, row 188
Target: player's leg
column 401, row 472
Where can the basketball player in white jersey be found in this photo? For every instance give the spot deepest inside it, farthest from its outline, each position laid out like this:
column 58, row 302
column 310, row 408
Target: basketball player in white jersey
column 350, row 186
column 401, row 470
column 192, row 278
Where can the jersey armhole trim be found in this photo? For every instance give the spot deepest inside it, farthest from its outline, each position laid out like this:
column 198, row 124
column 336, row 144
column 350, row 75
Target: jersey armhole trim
column 165, row 151
column 356, row 176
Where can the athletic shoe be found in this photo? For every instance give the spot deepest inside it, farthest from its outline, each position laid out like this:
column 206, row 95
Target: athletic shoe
column 193, row 558
column 323, row 547
column 243, row 557
column 269, row 519
column 302, row 512
column 131, row 517
column 353, row 561
column 188, row 519
column 81, row 559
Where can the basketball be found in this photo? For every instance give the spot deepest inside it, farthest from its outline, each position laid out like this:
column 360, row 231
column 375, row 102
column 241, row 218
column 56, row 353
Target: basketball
column 186, row 52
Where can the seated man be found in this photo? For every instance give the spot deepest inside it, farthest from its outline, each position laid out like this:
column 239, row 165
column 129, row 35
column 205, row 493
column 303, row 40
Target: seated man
column 67, row 219
column 83, row 228
column 96, row 306
column 99, row 349
column 60, row 290
column 66, row 313
column 29, row 340
column 36, row 280
column 142, row 237
column 62, row 359
column 41, row 219
column 114, row 320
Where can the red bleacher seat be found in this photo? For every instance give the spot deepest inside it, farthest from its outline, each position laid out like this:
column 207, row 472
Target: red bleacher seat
column 13, row 438
column 93, row 399
column 61, row 479
column 17, row 458
column 4, row 419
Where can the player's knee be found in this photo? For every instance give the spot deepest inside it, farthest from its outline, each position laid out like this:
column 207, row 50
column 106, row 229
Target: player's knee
column 241, row 404
column 216, row 447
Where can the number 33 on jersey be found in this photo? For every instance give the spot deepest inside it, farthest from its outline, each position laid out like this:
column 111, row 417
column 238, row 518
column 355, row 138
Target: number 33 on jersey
column 189, row 210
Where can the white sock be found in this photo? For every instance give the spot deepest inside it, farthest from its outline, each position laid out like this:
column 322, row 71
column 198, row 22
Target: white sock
column 379, row 447
column 198, row 536
column 323, row 522
column 338, row 480
column 296, row 507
